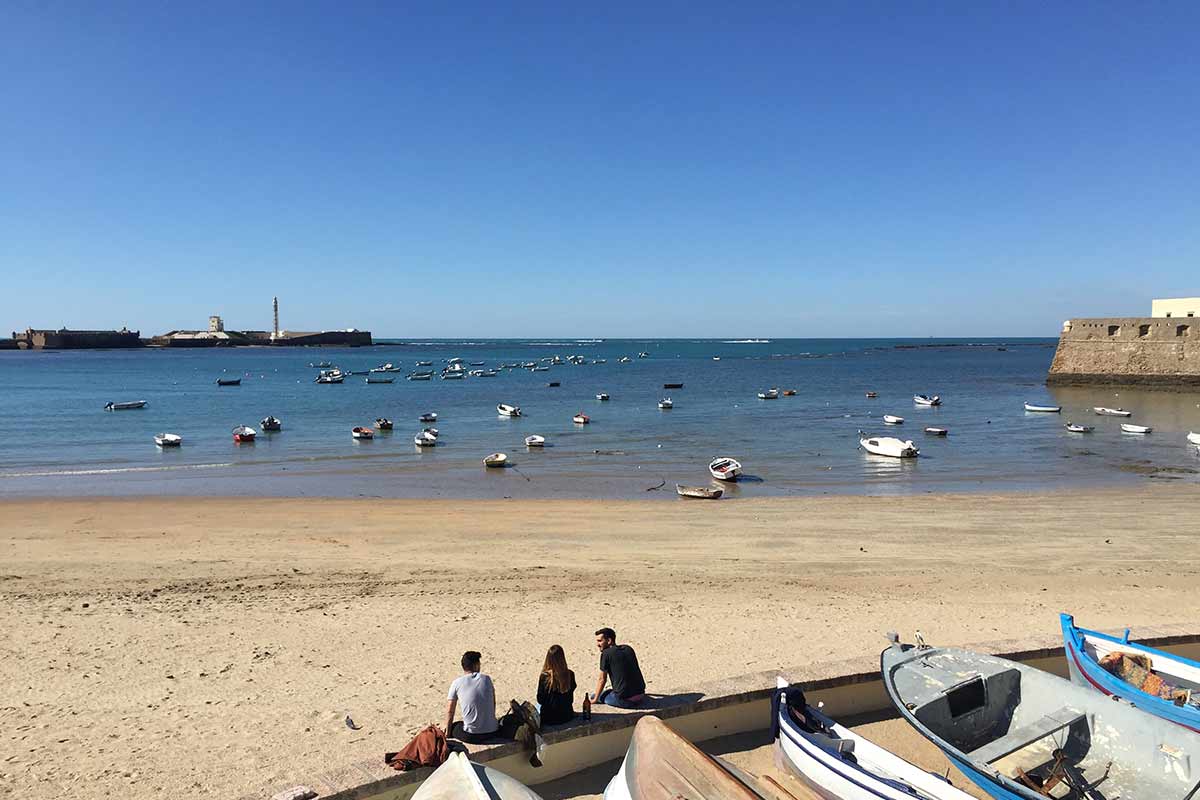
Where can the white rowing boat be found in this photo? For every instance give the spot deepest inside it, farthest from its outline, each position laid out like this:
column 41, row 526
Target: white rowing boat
column 359, row 432
column 460, row 779
column 429, row 416
column 1074, row 428
column 505, row 410
column 666, row 404
column 1112, row 412
column 581, row 419
column 495, row 460
column 129, row 406
column 535, row 441
column 699, row 492
column 1034, row 408
column 889, row 446
column 926, row 400
column 425, row 439
column 168, row 440
column 244, row 433
column 892, row 419
column 1140, row 429
column 1194, row 438
column 602, row 396
column 725, row 468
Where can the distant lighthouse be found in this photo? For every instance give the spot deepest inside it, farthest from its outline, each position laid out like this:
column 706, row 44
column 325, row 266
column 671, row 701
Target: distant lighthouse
column 275, row 330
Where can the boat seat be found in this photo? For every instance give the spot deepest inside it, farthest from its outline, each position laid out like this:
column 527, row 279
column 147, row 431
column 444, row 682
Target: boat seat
column 1019, row 738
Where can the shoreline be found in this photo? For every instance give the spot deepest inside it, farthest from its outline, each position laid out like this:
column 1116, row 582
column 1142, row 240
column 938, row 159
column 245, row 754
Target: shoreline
column 224, row 640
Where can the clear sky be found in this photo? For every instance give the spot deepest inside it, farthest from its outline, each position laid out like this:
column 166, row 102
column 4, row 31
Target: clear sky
column 598, row 169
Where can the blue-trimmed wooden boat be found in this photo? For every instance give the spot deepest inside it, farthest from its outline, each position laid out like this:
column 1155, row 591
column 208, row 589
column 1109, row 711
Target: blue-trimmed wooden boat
column 1023, row 734
column 1085, row 649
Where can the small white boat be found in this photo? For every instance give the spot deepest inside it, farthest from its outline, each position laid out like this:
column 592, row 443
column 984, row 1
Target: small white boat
column 643, row 355
column 330, row 376
column 359, row 432
column 495, row 460
column 1034, row 408
column 431, row 431
column 424, row 439
column 505, row 410
column 383, row 424
column 535, row 441
column 770, row 394
column 716, row 358
column 1194, row 438
column 420, row 376
column 872, row 395
column 321, row 364
column 377, row 378
column 602, row 396
column 270, row 424
column 1112, row 412
column 1140, row 429
column 699, row 492
column 892, row 419
column 423, row 364
column 935, row 431
column 889, row 446
column 926, row 400
column 129, row 406
column 666, row 403
column 725, row 468
column 458, row 778
column 244, row 433
column 1073, row 428
column 429, row 416
column 453, row 376
column 624, row 360
column 168, row 440
column 581, row 419
column 388, row 367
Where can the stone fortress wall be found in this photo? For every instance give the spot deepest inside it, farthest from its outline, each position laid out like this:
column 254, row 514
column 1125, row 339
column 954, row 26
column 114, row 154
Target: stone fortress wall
column 1146, row 351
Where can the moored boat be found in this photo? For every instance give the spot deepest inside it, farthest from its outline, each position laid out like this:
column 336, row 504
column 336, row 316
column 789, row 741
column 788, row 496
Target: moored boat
column 423, row 364
column 666, row 404
column 535, row 440
column 359, row 432
column 789, row 392
column 699, row 492
column 419, row 376
column 1139, row 429
column 1035, row 408
column 724, row 468
column 505, row 410
column 889, row 446
column 1104, row 411
column 229, row 381
column 662, row 765
column 495, row 460
column 836, row 762
column 383, row 424
column 1194, row 438
column 270, row 424
column 927, row 400
column 872, row 395
column 168, row 439
column 425, row 439
column 672, row 385
column 453, row 376
column 1074, row 428
column 458, row 778
column 770, row 394
column 892, row 419
column 388, row 367
column 1015, row 730
column 933, row 430
column 379, row 378
column 602, row 396
column 330, row 376
column 553, row 385
column 431, row 431
column 126, row 406
column 581, row 419
column 244, row 433
column 1155, row 681
column 428, row 416
column 321, row 365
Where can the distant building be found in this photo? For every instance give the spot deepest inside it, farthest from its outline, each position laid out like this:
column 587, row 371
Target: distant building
column 64, row 339
column 216, row 325
column 1175, row 307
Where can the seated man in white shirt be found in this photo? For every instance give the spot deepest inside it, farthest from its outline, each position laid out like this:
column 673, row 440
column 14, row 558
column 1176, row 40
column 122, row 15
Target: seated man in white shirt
column 474, row 694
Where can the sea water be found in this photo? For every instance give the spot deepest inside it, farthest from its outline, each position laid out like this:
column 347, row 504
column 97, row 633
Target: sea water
column 55, row 437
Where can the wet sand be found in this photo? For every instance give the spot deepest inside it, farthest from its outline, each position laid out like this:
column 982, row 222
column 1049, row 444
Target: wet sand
column 211, row 647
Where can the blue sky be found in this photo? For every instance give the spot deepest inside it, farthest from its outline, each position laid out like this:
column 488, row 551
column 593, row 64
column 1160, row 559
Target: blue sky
column 423, row 170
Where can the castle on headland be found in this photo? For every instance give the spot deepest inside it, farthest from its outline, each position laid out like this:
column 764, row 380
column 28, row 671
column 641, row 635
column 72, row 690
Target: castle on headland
column 64, row 339
column 1160, row 350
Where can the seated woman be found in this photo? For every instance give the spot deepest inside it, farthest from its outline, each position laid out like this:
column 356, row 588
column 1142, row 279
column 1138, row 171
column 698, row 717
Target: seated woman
column 556, row 688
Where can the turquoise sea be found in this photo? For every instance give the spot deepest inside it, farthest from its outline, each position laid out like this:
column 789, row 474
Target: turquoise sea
column 56, row 439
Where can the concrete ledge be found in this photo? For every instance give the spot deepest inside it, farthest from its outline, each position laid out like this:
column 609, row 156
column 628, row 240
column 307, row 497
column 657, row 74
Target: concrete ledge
column 734, row 705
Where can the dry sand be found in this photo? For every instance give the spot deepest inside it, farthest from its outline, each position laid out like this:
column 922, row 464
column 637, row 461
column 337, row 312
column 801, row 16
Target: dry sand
column 209, row 647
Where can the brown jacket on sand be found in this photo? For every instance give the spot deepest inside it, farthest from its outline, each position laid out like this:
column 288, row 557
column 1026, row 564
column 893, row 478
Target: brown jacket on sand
column 427, row 749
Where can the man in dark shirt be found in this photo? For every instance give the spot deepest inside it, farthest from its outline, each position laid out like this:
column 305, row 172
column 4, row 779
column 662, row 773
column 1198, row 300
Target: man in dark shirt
column 618, row 662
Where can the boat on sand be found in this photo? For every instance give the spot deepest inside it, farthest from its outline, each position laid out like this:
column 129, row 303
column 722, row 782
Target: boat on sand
column 725, row 468
column 836, row 762
column 461, row 779
column 495, row 460
column 699, row 492
column 662, row 765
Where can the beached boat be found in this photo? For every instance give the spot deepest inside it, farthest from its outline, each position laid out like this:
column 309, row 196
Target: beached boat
column 602, row 396
column 330, row 376
column 724, row 468
column 359, row 432
column 892, row 419
column 672, row 385
column 1139, row 429
column 666, row 404
column 495, row 460
column 428, row 416
column 936, row 431
column 1073, row 428
column 505, row 410
column 699, row 492
column 535, row 441
column 168, row 439
column 1163, row 684
column 1018, row 732
column 383, row 424
column 889, row 446
column 662, row 765
column 127, row 406
column 581, row 419
column 1104, row 411
column 270, row 424
column 836, row 762
column 926, row 400
column 872, row 395
column 458, row 778
column 229, row 381
column 1194, row 438
column 244, row 433
column 1034, row 408
column 770, row 394
column 419, row 376
column 424, row 439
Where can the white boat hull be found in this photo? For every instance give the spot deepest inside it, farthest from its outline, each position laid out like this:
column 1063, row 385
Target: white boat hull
column 535, row 441
column 1194, row 438
column 460, row 779
column 1138, row 429
column 1112, row 412
column 889, row 446
column 1030, row 407
column 725, row 469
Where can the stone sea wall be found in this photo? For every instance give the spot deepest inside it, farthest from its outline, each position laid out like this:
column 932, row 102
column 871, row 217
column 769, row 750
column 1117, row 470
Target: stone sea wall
column 1145, row 351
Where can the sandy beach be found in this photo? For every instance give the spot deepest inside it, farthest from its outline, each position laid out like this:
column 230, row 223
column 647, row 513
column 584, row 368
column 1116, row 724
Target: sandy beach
column 210, row 647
